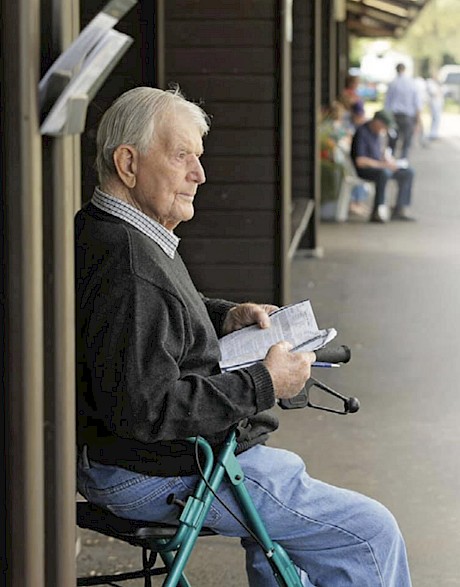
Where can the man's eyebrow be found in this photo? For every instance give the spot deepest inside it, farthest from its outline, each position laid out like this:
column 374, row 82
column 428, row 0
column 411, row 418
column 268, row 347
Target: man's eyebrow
column 181, row 146
column 188, row 149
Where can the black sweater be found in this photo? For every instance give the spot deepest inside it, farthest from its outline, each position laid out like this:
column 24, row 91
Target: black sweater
column 147, row 356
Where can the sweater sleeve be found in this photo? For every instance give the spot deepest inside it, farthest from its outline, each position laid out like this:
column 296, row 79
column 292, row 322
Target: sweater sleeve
column 156, row 377
column 217, row 310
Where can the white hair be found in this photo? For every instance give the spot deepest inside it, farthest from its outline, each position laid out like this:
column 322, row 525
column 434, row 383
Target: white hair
column 133, row 119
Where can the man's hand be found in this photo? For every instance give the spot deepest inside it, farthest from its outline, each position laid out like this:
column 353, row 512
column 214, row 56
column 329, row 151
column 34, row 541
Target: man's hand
column 289, row 371
column 391, row 164
column 247, row 314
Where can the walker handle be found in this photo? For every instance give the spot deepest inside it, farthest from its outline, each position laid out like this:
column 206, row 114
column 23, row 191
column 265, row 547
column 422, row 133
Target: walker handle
column 340, row 354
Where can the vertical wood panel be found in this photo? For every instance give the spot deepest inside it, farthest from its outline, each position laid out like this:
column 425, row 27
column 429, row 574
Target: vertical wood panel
column 328, row 53
column 22, row 183
column 286, row 141
column 342, row 53
column 306, row 108
column 331, row 36
column 62, row 177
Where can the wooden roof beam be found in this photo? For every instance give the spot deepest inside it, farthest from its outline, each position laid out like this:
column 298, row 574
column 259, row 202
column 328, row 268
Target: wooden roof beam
column 369, row 29
column 377, row 15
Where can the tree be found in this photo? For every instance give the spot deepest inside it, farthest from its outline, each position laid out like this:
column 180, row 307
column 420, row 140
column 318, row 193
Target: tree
column 433, row 38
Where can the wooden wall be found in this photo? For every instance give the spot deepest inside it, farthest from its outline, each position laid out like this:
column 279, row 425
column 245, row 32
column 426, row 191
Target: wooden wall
column 226, row 55
column 230, row 56
column 306, row 92
column 342, row 53
column 328, row 53
column 135, row 69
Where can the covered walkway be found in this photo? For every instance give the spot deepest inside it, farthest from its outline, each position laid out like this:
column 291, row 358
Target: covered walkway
column 392, row 291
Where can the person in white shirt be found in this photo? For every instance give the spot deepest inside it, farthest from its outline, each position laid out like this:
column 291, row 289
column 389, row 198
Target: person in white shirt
column 436, row 104
column 403, row 100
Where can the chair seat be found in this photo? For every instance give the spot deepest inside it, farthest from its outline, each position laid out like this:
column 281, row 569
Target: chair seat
column 135, row 532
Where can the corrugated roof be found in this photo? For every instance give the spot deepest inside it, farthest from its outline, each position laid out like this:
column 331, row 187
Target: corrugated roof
column 382, row 18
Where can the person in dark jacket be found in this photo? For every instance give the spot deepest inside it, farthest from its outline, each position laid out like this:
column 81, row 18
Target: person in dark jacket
column 148, row 371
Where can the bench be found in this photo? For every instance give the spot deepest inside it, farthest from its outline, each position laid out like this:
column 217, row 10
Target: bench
column 301, row 214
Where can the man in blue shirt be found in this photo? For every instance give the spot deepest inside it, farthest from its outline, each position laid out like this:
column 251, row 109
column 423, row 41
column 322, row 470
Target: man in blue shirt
column 404, row 101
column 372, row 164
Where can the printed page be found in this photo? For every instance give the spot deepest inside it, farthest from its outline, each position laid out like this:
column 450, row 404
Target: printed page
column 295, row 323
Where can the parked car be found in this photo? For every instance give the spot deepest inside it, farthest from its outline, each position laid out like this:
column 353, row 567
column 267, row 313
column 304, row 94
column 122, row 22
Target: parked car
column 449, row 76
column 368, row 88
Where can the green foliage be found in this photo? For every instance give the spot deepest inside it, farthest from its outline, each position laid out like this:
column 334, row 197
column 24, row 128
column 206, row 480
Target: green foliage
column 433, row 39
column 358, row 48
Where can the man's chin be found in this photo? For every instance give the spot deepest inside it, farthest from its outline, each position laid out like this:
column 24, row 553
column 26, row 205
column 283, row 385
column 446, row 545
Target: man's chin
column 185, row 215
column 189, row 213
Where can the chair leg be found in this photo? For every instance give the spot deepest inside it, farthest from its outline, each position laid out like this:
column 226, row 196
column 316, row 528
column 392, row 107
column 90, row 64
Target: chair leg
column 148, row 560
column 343, row 201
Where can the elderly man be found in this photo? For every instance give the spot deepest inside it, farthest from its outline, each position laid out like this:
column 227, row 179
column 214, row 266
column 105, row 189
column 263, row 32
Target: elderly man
column 372, row 164
column 148, row 366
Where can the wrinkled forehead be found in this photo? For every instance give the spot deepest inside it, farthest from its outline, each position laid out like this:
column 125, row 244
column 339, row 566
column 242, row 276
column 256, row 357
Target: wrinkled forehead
column 178, row 126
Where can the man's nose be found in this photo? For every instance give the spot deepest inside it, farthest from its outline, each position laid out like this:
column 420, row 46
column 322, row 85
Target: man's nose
column 197, row 174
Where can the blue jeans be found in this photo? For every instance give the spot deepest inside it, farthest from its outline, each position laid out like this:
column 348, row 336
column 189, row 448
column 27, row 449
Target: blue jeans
column 336, row 537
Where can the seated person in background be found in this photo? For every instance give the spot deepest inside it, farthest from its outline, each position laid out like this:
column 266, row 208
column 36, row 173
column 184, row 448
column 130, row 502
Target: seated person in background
column 352, row 101
column 148, row 371
column 371, row 163
column 336, row 125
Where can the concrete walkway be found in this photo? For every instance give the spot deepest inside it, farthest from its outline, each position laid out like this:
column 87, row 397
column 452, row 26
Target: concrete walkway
column 393, row 293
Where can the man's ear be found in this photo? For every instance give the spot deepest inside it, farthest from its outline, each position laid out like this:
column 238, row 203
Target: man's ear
column 125, row 159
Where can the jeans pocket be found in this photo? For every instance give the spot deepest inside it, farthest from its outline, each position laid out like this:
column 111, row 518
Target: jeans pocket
column 133, row 495
column 145, row 499
column 126, row 493
column 214, row 515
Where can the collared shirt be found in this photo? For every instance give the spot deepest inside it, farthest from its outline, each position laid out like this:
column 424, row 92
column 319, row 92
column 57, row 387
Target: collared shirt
column 164, row 238
column 366, row 143
column 403, row 96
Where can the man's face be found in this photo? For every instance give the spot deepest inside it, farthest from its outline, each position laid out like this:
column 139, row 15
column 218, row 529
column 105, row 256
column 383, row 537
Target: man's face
column 168, row 175
column 379, row 127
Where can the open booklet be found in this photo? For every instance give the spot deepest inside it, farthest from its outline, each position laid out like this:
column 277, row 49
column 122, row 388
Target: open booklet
column 295, row 323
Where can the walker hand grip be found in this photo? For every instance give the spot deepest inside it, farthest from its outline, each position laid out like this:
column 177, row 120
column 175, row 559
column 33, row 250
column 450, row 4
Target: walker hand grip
column 350, row 405
column 340, row 354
